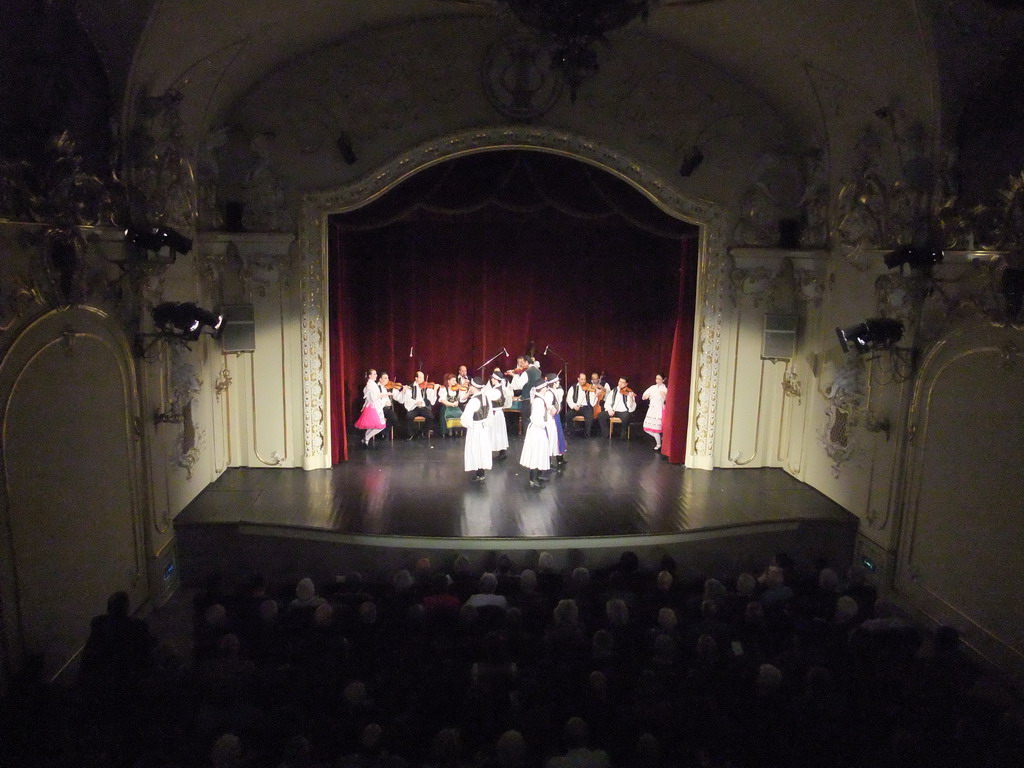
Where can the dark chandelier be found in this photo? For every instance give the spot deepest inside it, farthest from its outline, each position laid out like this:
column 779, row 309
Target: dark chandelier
column 575, row 26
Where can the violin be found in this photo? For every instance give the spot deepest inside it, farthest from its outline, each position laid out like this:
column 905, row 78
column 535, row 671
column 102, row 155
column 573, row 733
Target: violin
column 588, row 387
column 393, row 385
column 625, row 391
column 516, row 371
column 459, row 387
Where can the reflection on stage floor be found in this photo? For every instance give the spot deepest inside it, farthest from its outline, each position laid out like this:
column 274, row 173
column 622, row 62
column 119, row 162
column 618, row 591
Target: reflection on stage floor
column 419, row 488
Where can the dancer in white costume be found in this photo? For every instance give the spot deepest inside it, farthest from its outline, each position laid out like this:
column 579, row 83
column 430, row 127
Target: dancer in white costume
column 476, row 420
column 536, row 455
column 656, row 394
column 501, row 398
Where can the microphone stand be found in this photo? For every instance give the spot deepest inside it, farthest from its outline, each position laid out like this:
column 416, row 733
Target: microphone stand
column 481, row 367
column 563, row 371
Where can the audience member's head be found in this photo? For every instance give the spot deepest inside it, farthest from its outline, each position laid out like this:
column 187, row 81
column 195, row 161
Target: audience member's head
column 488, row 583
column 575, row 733
column 617, row 612
column 528, row 581
column 668, row 619
column 226, row 751
column 305, row 590
column 828, row 580
column 117, row 605
column 566, row 612
column 769, row 679
column 510, row 750
column 746, row 584
column 664, row 581
column 545, row 562
column 402, row 581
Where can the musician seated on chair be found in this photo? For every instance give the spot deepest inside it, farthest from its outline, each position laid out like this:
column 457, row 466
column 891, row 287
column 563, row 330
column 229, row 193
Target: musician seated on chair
column 619, row 403
column 419, row 401
column 581, row 399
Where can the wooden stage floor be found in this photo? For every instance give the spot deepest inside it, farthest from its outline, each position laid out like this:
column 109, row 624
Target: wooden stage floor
column 419, row 489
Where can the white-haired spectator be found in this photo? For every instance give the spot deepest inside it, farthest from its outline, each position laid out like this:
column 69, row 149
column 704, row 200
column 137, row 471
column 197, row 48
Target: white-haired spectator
column 306, row 596
column 486, row 596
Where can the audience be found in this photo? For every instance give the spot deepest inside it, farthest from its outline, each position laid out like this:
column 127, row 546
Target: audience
column 454, row 668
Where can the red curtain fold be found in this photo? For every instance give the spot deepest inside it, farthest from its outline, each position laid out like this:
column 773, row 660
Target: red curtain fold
column 338, row 340
column 677, row 405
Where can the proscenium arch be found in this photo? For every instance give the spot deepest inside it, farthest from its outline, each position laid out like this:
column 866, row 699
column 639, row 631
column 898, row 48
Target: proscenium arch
column 317, row 207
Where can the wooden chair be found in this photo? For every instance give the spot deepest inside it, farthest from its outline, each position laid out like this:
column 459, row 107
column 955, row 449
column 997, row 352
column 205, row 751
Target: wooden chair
column 580, row 420
column 421, row 420
column 611, row 426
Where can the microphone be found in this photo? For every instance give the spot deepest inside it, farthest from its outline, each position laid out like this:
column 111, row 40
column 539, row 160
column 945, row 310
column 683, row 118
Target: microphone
column 410, row 351
column 505, row 351
column 546, row 350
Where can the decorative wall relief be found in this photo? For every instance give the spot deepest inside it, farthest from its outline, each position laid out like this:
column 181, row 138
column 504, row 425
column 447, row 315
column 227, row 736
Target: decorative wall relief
column 887, row 197
column 845, row 394
column 517, row 77
column 771, row 210
column 67, row 200
column 162, row 184
column 185, row 382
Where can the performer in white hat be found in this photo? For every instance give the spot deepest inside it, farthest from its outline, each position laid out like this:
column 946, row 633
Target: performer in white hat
column 501, row 398
column 536, row 455
column 476, row 420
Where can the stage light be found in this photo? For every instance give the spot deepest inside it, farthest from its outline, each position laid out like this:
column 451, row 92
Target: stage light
column 156, row 239
column 143, row 238
column 185, row 320
column 914, row 256
column 174, row 240
column 874, row 333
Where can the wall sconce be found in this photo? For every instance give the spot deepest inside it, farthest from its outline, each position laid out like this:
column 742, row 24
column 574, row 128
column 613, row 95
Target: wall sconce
column 874, row 333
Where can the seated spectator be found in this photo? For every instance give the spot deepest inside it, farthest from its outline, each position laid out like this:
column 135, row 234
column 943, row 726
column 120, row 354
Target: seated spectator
column 776, row 592
column 441, row 604
column 226, row 752
column 446, row 751
column 306, row 596
column 486, row 596
column 576, row 740
column 119, row 645
column 371, row 752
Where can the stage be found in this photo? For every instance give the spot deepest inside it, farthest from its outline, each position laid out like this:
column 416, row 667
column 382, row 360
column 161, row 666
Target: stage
column 403, row 498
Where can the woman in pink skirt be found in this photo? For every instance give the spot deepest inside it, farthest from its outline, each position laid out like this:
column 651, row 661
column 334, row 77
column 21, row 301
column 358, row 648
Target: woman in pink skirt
column 372, row 417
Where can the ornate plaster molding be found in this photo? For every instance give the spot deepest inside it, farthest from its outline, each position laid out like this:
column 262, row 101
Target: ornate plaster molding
column 318, row 206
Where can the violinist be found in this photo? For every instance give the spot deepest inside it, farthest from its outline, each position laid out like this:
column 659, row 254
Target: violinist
column 419, row 401
column 462, row 379
column 390, row 389
column 620, row 402
column 449, row 396
column 517, row 378
column 527, row 376
column 582, row 398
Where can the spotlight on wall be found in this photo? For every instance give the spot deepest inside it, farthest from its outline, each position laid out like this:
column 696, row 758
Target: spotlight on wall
column 185, row 320
column 159, row 238
column 874, row 333
column 691, row 162
column 920, row 257
column 344, row 144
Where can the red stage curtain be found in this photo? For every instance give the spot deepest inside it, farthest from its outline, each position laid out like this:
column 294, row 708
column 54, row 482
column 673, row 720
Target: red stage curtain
column 677, row 406
column 338, row 337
